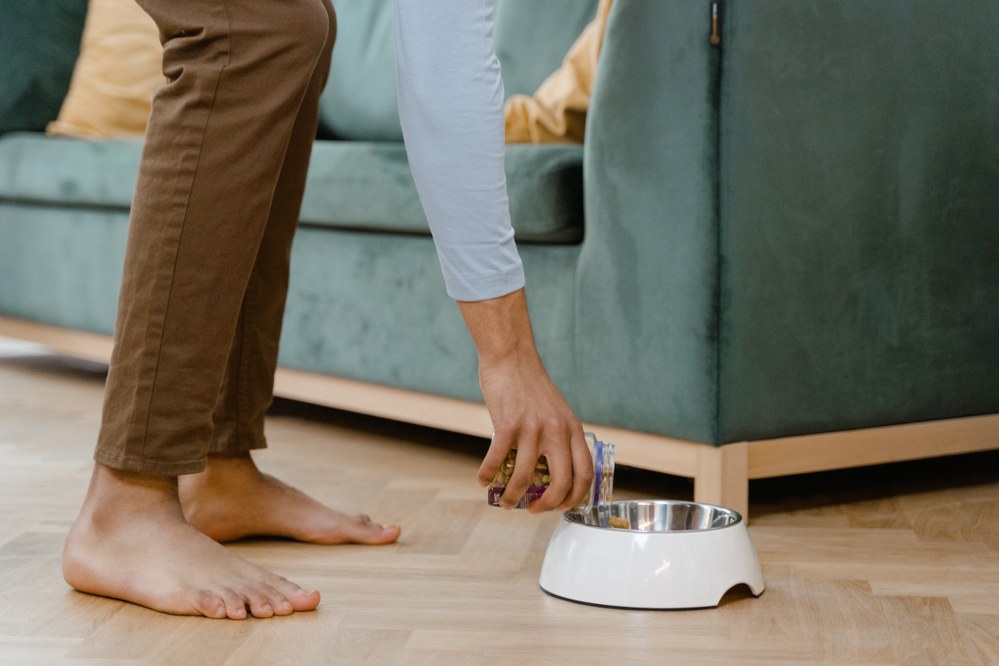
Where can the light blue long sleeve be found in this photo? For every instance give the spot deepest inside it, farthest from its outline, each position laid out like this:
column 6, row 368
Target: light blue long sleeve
column 451, row 109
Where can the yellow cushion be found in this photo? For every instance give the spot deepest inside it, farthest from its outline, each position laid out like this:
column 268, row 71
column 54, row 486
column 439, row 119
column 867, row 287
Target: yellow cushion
column 119, row 67
column 556, row 113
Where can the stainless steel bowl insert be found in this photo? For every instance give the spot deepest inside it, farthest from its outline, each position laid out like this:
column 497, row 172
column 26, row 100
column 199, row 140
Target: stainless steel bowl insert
column 657, row 516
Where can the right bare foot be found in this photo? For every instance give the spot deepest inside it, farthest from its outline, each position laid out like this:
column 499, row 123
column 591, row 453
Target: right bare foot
column 131, row 542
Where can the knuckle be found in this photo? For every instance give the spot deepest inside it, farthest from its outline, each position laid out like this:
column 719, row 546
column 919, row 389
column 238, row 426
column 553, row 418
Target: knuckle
column 533, row 423
column 519, row 480
column 555, row 423
column 561, row 483
column 503, row 431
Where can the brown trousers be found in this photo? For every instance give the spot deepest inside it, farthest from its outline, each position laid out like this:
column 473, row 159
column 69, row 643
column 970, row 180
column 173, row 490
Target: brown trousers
column 215, row 209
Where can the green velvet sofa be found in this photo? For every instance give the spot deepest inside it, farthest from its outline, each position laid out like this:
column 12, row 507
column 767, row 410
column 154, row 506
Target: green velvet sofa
column 774, row 254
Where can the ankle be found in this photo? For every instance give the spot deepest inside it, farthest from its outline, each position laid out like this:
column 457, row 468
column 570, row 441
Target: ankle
column 227, row 464
column 222, row 471
column 113, row 492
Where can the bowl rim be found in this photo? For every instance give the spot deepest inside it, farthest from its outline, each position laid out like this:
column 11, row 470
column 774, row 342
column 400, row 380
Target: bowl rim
column 571, row 517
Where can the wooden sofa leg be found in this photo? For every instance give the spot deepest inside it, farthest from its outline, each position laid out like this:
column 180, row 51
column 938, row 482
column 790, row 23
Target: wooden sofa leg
column 723, row 477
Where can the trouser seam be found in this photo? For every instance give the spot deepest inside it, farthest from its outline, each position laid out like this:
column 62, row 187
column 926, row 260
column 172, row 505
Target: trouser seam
column 240, row 388
column 183, row 224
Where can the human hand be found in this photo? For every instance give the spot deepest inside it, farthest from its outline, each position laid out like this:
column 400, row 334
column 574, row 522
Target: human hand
column 528, row 411
column 530, row 415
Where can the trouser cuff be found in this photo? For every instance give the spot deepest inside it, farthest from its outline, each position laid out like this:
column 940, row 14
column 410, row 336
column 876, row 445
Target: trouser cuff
column 149, row 467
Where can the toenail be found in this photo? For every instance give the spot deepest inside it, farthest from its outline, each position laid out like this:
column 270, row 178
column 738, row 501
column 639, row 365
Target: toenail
column 306, row 593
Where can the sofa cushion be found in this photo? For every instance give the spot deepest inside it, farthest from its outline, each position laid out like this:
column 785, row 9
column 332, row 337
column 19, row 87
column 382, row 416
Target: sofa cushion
column 368, row 185
column 35, row 168
column 351, row 185
column 41, row 39
column 360, row 99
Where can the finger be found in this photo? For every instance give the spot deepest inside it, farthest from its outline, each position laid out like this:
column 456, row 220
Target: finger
column 582, row 470
column 556, row 448
column 523, row 470
column 500, row 445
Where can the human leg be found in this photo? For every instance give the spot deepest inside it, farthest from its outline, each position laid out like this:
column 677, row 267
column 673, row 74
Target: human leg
column 231, row 498
column 238, row 74
column 248, row 384
column 238, row 71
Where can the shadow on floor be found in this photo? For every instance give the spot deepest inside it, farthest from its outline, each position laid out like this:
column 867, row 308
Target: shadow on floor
column 878, row 482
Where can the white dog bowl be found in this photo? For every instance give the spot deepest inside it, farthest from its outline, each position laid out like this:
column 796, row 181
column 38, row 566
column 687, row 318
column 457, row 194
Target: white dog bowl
column 650, row 554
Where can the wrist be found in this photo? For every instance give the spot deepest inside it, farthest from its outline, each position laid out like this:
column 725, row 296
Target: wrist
column 501, row 329
column 509, row 354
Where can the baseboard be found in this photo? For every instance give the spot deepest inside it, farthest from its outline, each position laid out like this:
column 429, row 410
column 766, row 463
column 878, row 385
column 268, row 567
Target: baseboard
column 721, row 474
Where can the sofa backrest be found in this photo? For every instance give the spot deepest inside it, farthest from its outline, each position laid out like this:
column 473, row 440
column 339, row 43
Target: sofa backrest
column 360, row 100
column 39, row 42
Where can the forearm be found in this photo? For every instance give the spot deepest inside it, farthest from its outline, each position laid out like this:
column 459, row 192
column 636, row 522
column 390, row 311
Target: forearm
column 451, row 109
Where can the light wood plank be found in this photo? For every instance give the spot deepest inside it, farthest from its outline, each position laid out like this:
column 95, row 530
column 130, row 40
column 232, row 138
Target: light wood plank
column 847, row 581
column 924, row 631
column 872, row 446
column 980, row 636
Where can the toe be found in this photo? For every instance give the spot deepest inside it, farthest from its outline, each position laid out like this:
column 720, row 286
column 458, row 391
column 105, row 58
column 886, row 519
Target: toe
column 304, row 600
column 256, row 600
column 261, row 610
column 301, row 599
column 374, row 533
column 277, row 601
column 210, row 605
column 235, row 606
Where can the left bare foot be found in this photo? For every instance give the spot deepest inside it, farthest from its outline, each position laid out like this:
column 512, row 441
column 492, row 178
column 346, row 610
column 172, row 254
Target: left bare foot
column 232, row 500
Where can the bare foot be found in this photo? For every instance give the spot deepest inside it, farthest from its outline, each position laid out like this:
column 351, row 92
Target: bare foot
column 232, row 500
column 131, row 542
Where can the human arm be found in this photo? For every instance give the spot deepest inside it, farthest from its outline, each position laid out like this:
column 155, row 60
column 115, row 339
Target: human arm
column 451, row 108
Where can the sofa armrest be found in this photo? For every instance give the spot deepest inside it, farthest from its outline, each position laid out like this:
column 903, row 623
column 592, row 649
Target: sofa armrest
column 859, row 211
column 646, row 305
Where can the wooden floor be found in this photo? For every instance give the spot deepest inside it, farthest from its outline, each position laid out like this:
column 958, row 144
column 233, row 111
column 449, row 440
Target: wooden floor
column 888, row 565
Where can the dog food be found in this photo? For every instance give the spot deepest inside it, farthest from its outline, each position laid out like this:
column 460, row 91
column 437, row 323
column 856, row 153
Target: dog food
column 601, row 489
